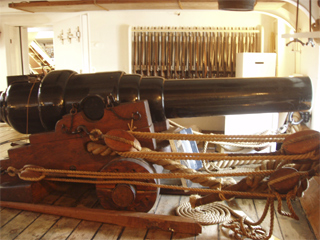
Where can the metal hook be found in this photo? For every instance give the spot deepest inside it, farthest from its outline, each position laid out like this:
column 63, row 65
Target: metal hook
column 295, row 40
column 311, row 42
column 297, row 20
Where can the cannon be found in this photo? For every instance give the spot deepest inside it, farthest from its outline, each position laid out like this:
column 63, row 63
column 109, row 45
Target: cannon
column 65, row 111
column 48, row 100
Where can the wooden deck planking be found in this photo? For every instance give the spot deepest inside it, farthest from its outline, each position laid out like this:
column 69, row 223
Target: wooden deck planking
column 133, row 233
column 26, row 229
column 7, row 133
column 7, row 215
column 294, row 229
column 65, row 226
column 108, row 231
column 16, row 224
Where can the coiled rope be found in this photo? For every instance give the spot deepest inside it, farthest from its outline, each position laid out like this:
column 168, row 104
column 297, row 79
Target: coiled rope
column 208, row 214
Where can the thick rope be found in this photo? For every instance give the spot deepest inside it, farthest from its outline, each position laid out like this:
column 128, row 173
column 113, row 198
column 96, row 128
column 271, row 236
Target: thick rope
column 167, row 160
column 200, row 190
column 241, row 145
column 217, row 156
column 123, row 140
column 213, row 166
column 215, row 137
column 240, row 227
column 112, row 175
column 68, row 175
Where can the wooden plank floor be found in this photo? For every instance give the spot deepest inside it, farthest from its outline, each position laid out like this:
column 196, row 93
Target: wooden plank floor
column 24, row 225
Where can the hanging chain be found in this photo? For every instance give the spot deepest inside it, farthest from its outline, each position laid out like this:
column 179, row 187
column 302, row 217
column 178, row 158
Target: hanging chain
column 73, row 112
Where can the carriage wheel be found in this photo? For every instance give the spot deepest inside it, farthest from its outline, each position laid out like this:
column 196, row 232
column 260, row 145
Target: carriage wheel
column 128, row 197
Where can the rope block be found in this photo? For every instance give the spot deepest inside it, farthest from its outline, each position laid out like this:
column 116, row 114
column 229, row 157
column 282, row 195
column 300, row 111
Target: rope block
column 284, row 180
column 302, row 142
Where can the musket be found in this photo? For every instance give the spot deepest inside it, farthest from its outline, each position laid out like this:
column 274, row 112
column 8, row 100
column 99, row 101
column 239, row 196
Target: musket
column 135, row 48
column 163, row 37
column 156, row 53
column 169, row 54
column 197, row 55
column 183, row 56
column 204, row 55
column 142, row 55
column 211, row 53
column 176, row 54
column 148, row 53
column 190, row 55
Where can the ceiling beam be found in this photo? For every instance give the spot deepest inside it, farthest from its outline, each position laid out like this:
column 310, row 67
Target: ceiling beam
column 96, row 5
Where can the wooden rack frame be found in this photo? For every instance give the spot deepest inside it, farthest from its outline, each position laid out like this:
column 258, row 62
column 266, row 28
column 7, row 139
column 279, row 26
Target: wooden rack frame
column 187, row 52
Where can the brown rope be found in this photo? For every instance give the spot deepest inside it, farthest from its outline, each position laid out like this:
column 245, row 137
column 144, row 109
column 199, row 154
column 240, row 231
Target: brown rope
column 216, row 156
column 199, row 190
column 224, row 145
column 215, row 137
column 112, row 175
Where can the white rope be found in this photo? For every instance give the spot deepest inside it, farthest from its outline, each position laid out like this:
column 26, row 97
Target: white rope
column 208, row 214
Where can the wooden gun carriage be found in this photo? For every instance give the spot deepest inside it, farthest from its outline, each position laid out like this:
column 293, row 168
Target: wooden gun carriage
column 68, row 113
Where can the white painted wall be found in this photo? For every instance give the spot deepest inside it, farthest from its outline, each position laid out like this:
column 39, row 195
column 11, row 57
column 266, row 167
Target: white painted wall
column 309, row 64
column 286, row 57
column 67, row 53
column 10, row 52
column 3, row 58
column 72, row 54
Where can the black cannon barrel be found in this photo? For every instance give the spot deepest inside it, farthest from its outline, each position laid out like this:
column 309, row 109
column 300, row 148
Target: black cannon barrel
column 39, row 105
column 224, row 96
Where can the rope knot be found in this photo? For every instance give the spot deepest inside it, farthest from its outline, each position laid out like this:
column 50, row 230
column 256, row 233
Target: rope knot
column 121, row 141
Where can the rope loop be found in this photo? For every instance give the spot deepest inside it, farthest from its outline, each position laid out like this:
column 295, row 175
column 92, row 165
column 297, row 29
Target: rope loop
column 27, row 173
column 12, row 171
column 95, row 134
column 290, row 195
